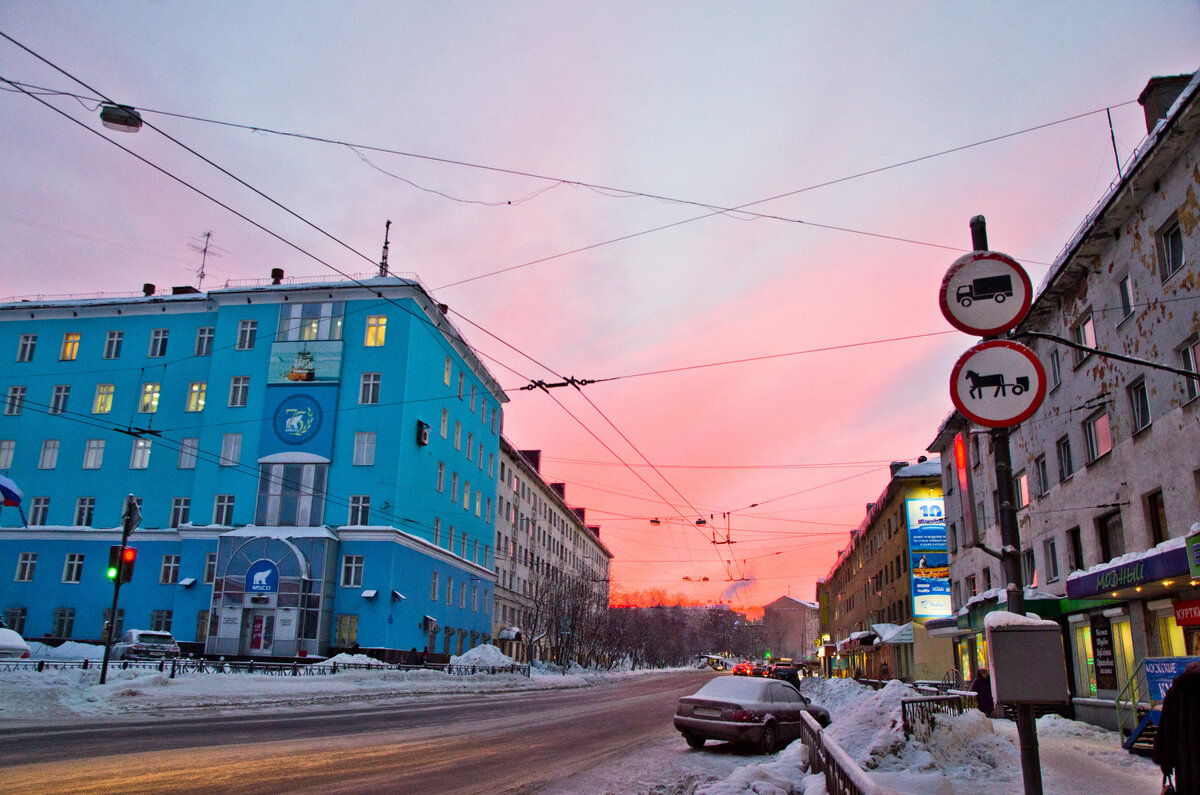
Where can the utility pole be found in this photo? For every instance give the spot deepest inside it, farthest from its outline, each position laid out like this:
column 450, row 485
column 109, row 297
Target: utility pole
column 131, row 517
column 1010, row 560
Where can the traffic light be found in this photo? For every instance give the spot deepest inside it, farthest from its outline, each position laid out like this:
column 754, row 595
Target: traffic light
column 114, row 562
column 128, row 558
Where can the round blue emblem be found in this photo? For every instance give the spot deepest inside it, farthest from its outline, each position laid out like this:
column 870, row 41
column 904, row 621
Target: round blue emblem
column 297, row 419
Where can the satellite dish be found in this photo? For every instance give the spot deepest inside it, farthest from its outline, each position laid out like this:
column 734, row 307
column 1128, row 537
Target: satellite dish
column 121, row 118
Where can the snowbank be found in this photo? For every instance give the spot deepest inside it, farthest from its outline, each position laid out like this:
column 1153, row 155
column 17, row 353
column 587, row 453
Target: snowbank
column 485, row 655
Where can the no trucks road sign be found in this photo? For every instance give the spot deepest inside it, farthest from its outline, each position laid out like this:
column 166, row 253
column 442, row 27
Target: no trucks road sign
column 985, row 293
column 998, row 383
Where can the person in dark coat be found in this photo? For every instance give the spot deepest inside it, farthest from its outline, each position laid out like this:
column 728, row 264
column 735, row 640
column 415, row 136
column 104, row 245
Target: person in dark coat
column 982, row 688
column 1177, row 742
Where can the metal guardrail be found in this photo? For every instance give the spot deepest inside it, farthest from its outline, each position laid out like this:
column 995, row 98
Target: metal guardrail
column 842, row 775
column 200, row 666
column 919, row 712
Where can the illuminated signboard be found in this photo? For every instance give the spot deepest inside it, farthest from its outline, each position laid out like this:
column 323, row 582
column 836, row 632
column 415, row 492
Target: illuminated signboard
column 930, row 563
column 966, row 495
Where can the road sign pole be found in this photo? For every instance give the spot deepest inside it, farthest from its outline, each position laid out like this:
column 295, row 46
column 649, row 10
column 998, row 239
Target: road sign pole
column 130, row 518
column 1010, row 559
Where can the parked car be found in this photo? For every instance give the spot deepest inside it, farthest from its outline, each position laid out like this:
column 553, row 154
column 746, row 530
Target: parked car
column 12, row 646
column 145, row 644
column 765, row 713
column 743, row 669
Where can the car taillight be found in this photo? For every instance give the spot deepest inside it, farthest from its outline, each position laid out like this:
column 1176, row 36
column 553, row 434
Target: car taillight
column 740, row 715
column 25, row 656
column 137, row 647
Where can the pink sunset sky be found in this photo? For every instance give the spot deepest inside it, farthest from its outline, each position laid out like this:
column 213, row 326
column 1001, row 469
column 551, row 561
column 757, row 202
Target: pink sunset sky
column 697, row 104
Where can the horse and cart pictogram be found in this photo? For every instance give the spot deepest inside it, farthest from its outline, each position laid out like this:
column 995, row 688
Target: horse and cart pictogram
column 995, row 381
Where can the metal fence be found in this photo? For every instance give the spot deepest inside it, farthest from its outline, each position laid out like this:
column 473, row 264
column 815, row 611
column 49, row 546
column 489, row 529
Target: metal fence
column 842, row 775
column 919, row 712
column 201, row 666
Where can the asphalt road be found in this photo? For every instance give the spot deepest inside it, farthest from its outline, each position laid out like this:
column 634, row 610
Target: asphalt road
column 506, row 742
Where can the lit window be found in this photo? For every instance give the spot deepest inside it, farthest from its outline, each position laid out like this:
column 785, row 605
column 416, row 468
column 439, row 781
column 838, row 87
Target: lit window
column 195, row 397
column 376, row 330
column 139, row 458
column 148, row 403
column 70, row 347
column 104, row 398
column 306, row 322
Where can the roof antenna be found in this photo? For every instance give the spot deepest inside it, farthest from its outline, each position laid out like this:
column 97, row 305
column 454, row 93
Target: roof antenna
column 204, row 251
column 383, row 269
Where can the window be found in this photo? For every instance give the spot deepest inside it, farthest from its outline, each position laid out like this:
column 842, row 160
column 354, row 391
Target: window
column 181, row 509
column 303, row 322
column 1083, row 333
column 472, row 401
column 26, row 564
column 160, row 620
column 187, row 452
column 1189, row 357
column 461, row 381
column 85, row 507
column 1050, row 553
column 1043, row 475
column 1066, row 466
column 446, row 376
column 433, row 592
column 158, row 343
column 204, row 341
column 195, row 396
column 364, row 448
column 247, row 331
column 1055, row 369
column 368, row 391
column 376, row 328
column 1156, row 517
column 1097, row 437
column 1139, row 405
column 231, row 449
column 58, row 399
column 120, row 625
column 210, row 568
column 70, row 347
column 14, row 618
column 1125, row 290
column 139, row 457
column 223, row 509
column 16, row 400
column 239, row 391
column 169, row 573
column 112, row 344
column 450, row 588
column 102, row 404
column 345, row 631
column 1170, row 249
column 360, row 509
column 49, row 456
column 148, row 403
column 1021, row 489
column 39, row 509
column 7, row 447
column 1111, row 536
column 93, row 454
column 437, row 531
column 27, row 345
column 352, row 571
column 971, row 586
column 453, row 487
column 64, row 622
column 1075, row 542
column 291, row 494
column 445, row 422
column 457, row 435
column 441, row 477
column 470, row 444
column 1028, row 569
column 467, row 495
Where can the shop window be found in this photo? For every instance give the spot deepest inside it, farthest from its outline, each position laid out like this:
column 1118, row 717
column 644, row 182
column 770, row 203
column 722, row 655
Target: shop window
column 346, row 630
column 1085, row 668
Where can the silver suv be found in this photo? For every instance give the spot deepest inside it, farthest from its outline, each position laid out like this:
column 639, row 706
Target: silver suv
column 145, row 644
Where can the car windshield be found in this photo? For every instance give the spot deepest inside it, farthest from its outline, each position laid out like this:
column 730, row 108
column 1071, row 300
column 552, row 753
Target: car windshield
column 733, row 688
column 155, row 637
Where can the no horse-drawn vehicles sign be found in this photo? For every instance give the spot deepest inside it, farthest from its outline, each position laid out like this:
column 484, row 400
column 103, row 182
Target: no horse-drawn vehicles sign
column 998, row 383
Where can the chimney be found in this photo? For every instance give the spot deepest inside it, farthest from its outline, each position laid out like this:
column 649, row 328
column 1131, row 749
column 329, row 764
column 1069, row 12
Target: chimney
column 1159, row 95
column 276, row 275
column 533, row 458
column 147, row 289
column 560, row 489
column 896, row 466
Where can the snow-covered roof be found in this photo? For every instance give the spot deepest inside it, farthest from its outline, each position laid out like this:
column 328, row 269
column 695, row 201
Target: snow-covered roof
column 254, row 531
column 1131, row 557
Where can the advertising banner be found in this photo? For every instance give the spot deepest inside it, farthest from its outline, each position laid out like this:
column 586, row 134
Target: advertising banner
column 926, row 524
column 299, row 419
column 928, row 557
column 307, row 362
column 1161, row 671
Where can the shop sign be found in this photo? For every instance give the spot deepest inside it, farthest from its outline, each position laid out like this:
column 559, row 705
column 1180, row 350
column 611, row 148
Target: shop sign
column 1193, row 550
column 1171, row 563
column 262, row 577
column 1161, row 672
column 1103, row 657
column 1187, row 614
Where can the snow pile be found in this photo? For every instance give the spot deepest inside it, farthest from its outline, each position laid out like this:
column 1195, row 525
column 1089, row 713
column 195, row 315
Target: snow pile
column 70, row 650
column 485, row 655
column 348, row 659
column 777, row 777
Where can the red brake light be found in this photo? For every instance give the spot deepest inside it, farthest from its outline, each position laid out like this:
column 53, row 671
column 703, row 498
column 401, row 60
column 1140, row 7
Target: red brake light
column 740, row 715
column 25, row 656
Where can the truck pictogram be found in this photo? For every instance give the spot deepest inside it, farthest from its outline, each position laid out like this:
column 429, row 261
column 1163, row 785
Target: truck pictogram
column 997, row 288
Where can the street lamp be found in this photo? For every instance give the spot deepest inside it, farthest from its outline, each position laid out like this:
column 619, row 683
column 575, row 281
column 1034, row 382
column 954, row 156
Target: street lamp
column 121, row 118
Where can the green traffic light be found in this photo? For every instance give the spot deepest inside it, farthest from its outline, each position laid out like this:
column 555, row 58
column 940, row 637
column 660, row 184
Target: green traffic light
column 112, row 572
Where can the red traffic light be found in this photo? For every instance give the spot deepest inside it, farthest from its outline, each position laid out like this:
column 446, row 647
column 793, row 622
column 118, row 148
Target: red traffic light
column 128, row 557
column 128, row 554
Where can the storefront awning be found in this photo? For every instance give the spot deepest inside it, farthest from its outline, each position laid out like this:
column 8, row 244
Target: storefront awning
column 893, row 634
column 1117, row 578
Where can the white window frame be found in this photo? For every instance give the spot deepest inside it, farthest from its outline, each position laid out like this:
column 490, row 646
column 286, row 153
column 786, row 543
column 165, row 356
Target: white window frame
column 364, row 448
column 360, row 509
column 59, row 398
column 247, row 333
column 148, row 399
column 112, row 344
column 369, row 389
column 85, row 511
column 15, row 400
column 231, row 449
column 188, row 447
column 102, row 402
column 70, row 347
column 7, row 448
column 1171, row 258
column 93, row 454
column 181, row 510
column 223, row 509
column 26, row 347
column 204, row 340
column 48, row 458
column 158, row 343
column 351, row 571
column 139, row 454
column 239, row 391
column 168, row 574
column 73, row 568
column 1097, row 434
column 376, row 333
column 1139, row 405
column 26, row 566
column 196, row 395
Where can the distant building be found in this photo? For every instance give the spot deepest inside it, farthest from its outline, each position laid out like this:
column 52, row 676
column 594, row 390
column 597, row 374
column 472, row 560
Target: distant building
column 1106, row 473
column 539, row 537
column 888, row 582
column 792, row 628
column 316, row 464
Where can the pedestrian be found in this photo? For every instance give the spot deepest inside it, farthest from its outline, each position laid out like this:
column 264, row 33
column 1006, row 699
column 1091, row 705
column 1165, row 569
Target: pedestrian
column 1177, row 741
column 982, row 688
column 885, row 673
column 425, row 656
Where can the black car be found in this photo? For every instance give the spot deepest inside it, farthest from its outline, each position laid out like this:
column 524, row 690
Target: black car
column 765, row 713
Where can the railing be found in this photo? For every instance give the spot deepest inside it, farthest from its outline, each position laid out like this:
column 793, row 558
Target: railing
column 919, row 712
column 842, row 775
column 200, row 666
column 1128, row 703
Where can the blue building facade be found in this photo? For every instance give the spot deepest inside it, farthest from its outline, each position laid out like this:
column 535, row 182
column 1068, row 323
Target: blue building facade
column 315, row 465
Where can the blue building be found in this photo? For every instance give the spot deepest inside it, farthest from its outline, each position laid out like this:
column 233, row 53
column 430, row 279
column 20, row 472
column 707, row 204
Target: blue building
column 315, row 465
